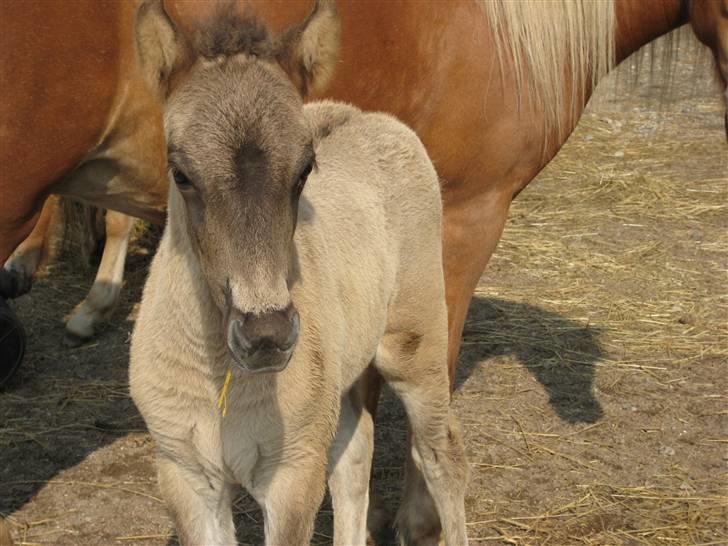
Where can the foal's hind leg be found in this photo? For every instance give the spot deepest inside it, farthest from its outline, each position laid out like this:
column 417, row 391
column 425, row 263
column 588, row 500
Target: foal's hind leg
column 412, row 363
column 350, row 463
column 418, row 520
column 104, row 293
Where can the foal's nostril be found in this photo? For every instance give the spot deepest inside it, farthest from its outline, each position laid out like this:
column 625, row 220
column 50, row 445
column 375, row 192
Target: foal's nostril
column 262, row 342
column 236, row 339
column 292, row 337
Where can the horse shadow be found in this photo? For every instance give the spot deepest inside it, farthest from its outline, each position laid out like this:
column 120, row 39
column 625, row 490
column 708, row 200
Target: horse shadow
column 48, row 424
column 64, row 404
column 561, row 353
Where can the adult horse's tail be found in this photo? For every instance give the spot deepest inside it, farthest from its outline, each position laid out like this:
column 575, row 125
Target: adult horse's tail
column 558, row 50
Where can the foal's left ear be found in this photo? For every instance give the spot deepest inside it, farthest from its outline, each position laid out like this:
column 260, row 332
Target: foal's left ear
column 161, row 48
column 308, row 51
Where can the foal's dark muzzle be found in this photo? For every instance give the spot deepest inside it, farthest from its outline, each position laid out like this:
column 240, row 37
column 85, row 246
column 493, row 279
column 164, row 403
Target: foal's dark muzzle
column 262, row 342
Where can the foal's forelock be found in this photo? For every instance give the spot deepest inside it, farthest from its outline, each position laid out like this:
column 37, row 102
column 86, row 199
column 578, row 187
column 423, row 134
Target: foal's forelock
column 228, row 33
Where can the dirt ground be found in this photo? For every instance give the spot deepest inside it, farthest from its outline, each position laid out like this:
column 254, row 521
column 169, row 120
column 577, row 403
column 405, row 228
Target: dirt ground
column 592, row 382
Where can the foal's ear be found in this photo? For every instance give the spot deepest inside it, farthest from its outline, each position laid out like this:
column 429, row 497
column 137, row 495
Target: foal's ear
column 308, row 51
column 160, row 47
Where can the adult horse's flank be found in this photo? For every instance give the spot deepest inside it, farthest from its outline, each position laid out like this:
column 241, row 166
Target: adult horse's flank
column 493, row 88
column 76, row 117
column 220, row 311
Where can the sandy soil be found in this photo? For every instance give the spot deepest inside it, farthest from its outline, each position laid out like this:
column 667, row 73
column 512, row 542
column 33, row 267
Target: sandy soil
column 592, row 382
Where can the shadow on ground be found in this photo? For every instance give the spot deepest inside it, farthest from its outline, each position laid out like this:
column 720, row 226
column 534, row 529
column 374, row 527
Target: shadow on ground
column 64, row 404
column 68, row 403
column 560, row 353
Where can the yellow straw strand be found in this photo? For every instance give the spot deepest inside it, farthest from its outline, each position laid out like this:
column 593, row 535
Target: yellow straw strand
column 222, row 401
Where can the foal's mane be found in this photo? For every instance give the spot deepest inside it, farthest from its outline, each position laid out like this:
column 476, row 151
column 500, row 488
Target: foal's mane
column 227, row 33
column 544, row 41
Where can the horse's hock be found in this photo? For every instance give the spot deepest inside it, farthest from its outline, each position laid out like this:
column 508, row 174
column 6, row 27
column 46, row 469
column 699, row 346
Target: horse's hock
column 12, row 342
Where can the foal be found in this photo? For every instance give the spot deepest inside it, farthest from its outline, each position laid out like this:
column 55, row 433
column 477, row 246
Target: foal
column 275, row 327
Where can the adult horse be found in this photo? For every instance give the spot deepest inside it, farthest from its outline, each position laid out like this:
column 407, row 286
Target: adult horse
column 493, row 88
column 76, row 117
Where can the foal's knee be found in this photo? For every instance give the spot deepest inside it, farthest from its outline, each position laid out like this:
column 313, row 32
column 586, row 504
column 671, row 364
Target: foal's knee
column 443, row 457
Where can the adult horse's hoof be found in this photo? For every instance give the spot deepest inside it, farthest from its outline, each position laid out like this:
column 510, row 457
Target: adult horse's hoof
column 14, row 283
column 72, row 340
column 12, row 342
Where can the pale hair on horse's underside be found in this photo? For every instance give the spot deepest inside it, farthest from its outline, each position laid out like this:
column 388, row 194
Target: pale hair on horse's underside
column 543, row 42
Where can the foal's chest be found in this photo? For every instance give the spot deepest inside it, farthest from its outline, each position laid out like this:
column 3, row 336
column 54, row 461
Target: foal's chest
column 251, row 429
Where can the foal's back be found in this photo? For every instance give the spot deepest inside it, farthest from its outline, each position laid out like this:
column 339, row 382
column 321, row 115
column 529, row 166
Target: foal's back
column 369, row 228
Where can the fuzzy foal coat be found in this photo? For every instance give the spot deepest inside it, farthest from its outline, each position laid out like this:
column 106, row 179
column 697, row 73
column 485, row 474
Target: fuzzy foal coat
column 366, row 278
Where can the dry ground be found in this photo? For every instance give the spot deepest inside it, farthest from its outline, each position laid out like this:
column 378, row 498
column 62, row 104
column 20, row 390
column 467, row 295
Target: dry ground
column 592, row 380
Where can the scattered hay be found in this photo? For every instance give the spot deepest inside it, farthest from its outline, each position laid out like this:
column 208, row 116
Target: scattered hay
column 608, row 514
column 606, row 305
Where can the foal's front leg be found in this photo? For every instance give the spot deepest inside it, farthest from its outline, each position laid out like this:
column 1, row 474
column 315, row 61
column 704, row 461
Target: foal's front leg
column 290, row 493
column 201, row 506
column 350, row 465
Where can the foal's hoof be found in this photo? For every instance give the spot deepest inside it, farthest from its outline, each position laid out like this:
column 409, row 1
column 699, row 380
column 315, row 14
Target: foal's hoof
column 380, row 525
column 12, row 342
column 72, row 340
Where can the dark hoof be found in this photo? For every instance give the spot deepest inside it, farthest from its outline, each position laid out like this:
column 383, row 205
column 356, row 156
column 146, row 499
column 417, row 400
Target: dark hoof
column 14, row 284
column 72, row 340
column 380, row 525
column 12, row 342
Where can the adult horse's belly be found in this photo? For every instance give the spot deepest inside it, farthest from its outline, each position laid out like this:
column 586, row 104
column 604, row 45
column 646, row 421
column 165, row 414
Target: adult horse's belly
column 59, row 70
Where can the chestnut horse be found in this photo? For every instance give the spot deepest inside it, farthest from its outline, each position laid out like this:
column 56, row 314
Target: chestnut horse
column 493, row 89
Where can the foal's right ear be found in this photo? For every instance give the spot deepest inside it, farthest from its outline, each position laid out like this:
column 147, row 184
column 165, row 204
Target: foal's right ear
column 160, row 47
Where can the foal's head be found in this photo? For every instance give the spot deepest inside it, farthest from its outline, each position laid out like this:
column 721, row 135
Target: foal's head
column 240, row 150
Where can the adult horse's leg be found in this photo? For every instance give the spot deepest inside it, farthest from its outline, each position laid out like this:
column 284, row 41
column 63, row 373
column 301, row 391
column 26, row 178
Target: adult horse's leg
column 710, row 23
column 104, row 293
column 17, row 275
column 471, row 230
column 12, row 342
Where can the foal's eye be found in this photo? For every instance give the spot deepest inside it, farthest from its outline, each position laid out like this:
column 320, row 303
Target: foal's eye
column 301, row 181
column 180, row 178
